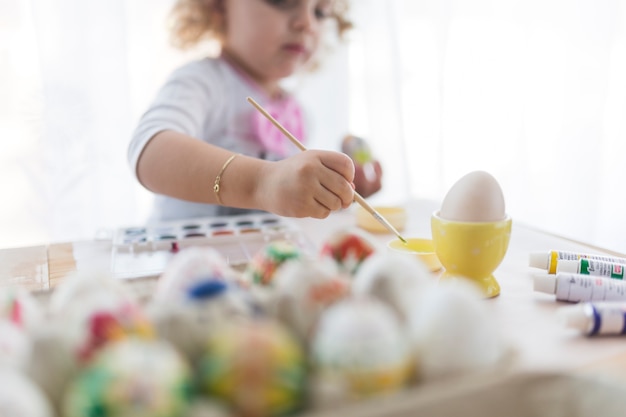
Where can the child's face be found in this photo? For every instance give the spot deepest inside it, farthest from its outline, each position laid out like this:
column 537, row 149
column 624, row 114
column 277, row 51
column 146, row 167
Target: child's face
column 271, row 39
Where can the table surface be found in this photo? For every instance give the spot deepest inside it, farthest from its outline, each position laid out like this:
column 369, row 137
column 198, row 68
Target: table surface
column 526, row 318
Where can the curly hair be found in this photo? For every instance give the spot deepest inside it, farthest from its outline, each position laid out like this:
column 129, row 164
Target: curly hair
column 194, row 21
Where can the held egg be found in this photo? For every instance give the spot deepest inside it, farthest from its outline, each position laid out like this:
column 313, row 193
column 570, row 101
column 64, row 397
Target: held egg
column 476, row 197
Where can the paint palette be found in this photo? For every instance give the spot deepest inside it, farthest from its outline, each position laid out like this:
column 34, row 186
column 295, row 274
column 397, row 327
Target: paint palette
column 140, row 252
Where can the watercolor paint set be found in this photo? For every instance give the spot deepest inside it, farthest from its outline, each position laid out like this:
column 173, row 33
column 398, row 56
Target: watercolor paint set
column 144, row 251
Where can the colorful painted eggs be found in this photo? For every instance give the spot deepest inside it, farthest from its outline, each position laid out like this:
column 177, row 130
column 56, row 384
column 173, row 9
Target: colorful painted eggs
column 20, row 307
column 210, row 303
column 256, row 367
column 266, row 262
column 357, row 148
column 348, row 249
column 132, row 377
column 189, row 267
column 303, row 290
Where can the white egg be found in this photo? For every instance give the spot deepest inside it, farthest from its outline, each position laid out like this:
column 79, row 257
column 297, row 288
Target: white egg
column 80, row 288
column 360, row 341
column 452, row 331
column 392, row 278
column 476, row 197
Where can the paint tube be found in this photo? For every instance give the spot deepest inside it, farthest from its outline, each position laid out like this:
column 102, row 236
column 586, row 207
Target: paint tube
column 576, row 287
column 592, row 267
column 549, row 260
column 594, row 319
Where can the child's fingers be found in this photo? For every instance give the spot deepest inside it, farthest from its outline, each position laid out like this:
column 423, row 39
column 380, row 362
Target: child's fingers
column 332, row 199
column 340, row 192
column 338, row 162
column 320, row 211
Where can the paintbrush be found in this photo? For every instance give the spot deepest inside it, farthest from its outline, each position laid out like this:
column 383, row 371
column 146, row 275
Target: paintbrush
column 300, row 146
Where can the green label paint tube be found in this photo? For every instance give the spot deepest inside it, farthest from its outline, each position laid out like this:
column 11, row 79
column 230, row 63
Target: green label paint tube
column 594, row 267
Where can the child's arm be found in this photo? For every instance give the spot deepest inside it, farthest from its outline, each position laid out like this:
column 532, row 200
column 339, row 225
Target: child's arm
column 309, row 184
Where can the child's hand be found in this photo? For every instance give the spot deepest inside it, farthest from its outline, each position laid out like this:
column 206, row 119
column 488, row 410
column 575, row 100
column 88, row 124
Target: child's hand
column 310, row 184
column 368, row 178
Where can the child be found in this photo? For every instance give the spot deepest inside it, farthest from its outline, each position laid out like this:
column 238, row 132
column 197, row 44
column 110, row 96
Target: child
column 204, row 150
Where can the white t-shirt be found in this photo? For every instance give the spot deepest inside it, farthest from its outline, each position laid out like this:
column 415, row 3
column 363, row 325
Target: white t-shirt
column 204, row 99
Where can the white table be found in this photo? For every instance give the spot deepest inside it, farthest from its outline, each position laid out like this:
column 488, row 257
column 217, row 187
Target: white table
column 526, row 318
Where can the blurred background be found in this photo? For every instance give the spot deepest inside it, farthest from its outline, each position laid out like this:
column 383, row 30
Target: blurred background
column 532, row 91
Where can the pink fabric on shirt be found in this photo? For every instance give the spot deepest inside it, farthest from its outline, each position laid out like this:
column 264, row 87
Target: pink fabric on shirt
column 289, row 114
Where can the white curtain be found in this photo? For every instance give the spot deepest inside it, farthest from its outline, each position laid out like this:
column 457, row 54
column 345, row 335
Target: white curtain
column 75, row 76
column 532, row 91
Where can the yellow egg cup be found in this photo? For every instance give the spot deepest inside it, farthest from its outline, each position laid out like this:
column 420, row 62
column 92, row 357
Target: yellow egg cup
column 471, row 249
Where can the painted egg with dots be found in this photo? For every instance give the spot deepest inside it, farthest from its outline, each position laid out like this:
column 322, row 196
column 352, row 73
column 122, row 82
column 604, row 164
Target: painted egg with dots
column 360, row 342
column 92, row 311
column 256, row 367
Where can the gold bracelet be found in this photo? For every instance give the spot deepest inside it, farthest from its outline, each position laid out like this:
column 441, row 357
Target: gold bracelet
column 216, row 186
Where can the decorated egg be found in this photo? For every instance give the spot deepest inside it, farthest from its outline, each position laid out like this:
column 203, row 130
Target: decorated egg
column 131, row 378
column 348, row 248
column 86, row 283
column 266, row 262
column 452, row 332
column 356, row 148
column 21, row 397
column 189, row 267
column 187, row 326
column 476, row 197
column 93, row 311
column 394, row 279
column 256, row 367
column 303, row 290
column 359, row 345
column 20, row 307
